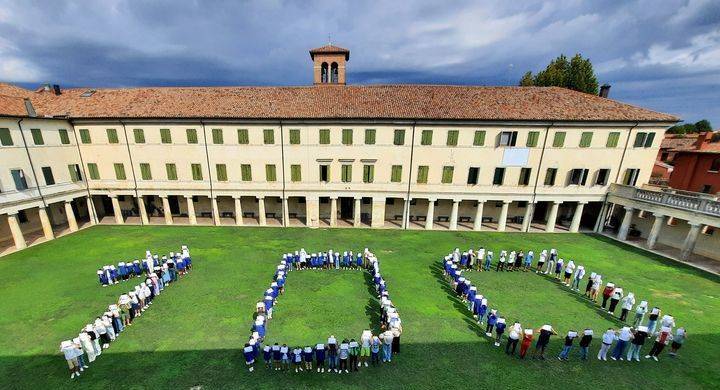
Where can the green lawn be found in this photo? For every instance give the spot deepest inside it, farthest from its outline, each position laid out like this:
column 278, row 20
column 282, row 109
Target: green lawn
column 192, row 334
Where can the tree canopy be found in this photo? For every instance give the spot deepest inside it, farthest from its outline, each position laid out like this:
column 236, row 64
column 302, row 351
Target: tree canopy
column 576, row 74
column 690, row 128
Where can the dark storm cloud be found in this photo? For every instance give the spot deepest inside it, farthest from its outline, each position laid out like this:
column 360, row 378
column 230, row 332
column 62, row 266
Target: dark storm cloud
column 663, row 55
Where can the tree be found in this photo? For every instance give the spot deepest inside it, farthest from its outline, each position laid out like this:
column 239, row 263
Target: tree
column 555, row 74
column 703, row 126
column 576, row 74
column 691, row 128
column 527, row 80
column 582, row 77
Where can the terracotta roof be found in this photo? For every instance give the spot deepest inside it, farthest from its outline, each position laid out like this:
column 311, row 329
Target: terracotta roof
column 422, row 102
column 330, row 49
column 12, row 100
column 678, row 142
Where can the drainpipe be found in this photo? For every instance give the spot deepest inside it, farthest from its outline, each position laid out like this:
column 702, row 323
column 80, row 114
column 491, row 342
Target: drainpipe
column 207, row 157
column 282, row 160
column 406, row 221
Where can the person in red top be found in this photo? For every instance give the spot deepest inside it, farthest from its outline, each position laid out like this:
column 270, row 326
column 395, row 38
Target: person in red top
column 663, row 338
column 607, row 293
column 526, row 342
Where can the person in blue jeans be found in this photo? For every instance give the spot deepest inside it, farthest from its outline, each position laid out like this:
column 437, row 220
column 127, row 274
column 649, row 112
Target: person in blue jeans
column 585, row 343
column 623, row 340
column 332, row 353
column 387, row 339
column 488, row 260
column 375, row 351
column 567, row 347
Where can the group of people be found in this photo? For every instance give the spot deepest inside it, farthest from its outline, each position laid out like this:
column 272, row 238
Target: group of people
column 334, row 355
column 97, row 335
column 570, row 275
column 176, row 264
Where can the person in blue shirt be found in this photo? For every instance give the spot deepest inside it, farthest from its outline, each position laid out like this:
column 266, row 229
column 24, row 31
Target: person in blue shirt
column 285, row 357
column 375, row 351
column 320, row 357
column 267, row 356
column 472, row 292
column 345, row 261
column 136, row 268
column 102, row 278
column 249, row 357
column 499, row 330
column 488, row 260
column 491, row 320
column 359, row 261
column 276, row 356
column 308, row 357
column 528, row 260
column 336, row 260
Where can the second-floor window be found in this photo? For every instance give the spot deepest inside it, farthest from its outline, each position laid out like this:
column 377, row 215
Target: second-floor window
column 48, row 175
column 550, row 175
column 19, row 178
column 473, row 174
column 524, row 176
column 602, row 177
column 577, row 177
column 631, row 176
column 499, row 176
column 324, row 173
column 508, row 138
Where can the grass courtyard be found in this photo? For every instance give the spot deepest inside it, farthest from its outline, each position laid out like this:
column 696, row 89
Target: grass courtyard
column 192, row 334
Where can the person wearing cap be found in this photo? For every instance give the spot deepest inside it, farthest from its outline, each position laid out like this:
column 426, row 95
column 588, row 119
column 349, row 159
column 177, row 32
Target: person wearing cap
column 541, row 261
column 249, row 354
column 297, row 357
column 354, row 350
column 585, row 343
column 615, row 298
column 678, row 341
column 499, row 330
column 526, row 342
column 627, row 304
column 71, row 353
column 640, row 313
column 365, row 341
column 543, row 340
column 664, row 336
column 513, row 338
column 567, row 347
column 332, row 353
column 607, row 339
column 579, row 275
column 491, row 320
column 638, row 340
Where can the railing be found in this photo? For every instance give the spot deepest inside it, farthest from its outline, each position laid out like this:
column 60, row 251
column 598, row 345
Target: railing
column 701, row 203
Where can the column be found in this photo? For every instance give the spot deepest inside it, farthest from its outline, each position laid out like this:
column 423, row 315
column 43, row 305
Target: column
column 117, row 211
column 454, row 214
column 166, row 210
column 17, row 233
column 430, row 217
column 92, row 212
column 625, row 226
column 502, row 221
column 191, row 210
column 527, row 219
column 405, row 214
column 552, row 217
column 655, row 230
column 600, row 222
column 261, row 211
column 378, row 212
column 238, row 211
column 45, row 221
column 356, row 212
column 333, row 212
column 70, row 214
column 143, row 210
column 285, row 212
column 690, row 240
column 575, row 224
column 312, row 211
column 477, row 224
column 215, row 211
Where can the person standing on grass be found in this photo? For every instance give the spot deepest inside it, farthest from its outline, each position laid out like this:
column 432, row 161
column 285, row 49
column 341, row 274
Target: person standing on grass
column 615, row 298
column 595, row 290
column 541, row 261
column 519, row 259
column 607, row 293
column 585, row 343
column 623, row 340
column 543, row 340
column 526, row 342
column 664, row 336
column 488, row 260
column 567, row 347
column 627, row 304
column 677, row 341
column 667, row 321
column 513, row 338
column 499, row 330
column 332, row 352
column 471, row 260
column 511, row 261
column 308, row 357
column 375, row 351
column 387, row 340
column 528, row 260
column 71, row 354
column 320, row 349
column 653, row 319
column 344, row 354
column 559, row 268
column 365, row 342
column 491, row 320
column 607, row 339
column 87, row 345
column 267, row 356
column 276, row 356
column 249, row 354
column 501, row 262
column 640, row 314
column 639, row 337
column 569, row 269
column 480, row 308
column 354, row 355
column 463, row 260
column 577, row 278
column 471, row 295
column 588, row 287
column 297, row 358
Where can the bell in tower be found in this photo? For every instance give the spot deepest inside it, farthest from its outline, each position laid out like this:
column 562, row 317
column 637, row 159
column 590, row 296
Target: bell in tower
column 329, row 64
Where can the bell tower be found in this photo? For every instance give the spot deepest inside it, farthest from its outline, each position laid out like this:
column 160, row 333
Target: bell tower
column 329, row 64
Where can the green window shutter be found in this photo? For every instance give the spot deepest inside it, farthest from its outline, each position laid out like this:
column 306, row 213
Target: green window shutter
column 426, row 137
column 559, row 139
column 294, row 136
column 93, row 171
column 452, row 138
column 85, row 136
column 196, row 171
column 612, row 140
column 269, row 137
column 639, row 140
column 119, row 171
column 64, row 139
column 139, row 136
column 165, row 136
column 347, row 136
column 396, row 174
column 246, row 172
column 399, row 137
column 369, row 136
column 73, row 173
column 586, row 139
column 112, row 136
column 479, row 139
column 191, row 136
column 217, row 136
column 37, row 137
column 368, row 173
column 649, row 140
column 324, row 136
column 145, row 171
column 346, row 174
column 243, row 138
column 171, row 170
column 422, row 177
column 532, row 139
column 270, row 172
column 221, row 171
column 5, row 137
column 447, row 175
column 295, row 173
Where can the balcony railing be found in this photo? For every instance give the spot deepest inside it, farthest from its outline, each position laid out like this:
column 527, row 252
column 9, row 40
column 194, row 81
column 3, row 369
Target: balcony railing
column 682, row 200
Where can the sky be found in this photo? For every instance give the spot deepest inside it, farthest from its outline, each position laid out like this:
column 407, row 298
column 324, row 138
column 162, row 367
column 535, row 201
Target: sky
column 659, row 54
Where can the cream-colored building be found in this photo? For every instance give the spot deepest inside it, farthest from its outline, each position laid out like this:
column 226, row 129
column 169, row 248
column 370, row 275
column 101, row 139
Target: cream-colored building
column 405, row 156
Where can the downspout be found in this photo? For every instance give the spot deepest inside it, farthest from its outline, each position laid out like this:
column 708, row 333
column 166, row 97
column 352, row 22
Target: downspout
column 282, row 160
column 87, row 178
column 207, row 157
column 32, row 167
column 132, row 169
column 537, row 176
column 406, row 220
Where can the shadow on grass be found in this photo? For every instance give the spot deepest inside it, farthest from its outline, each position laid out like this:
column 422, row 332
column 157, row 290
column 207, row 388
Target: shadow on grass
column 437, row 270
column 373, row 308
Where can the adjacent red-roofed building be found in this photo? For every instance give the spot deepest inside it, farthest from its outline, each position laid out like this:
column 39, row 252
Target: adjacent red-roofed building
column 697, row 168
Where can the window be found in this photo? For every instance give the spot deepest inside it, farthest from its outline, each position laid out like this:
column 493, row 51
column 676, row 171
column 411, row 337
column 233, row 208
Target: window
column 85, row 136
column 396, row 174
column 324, row 135
column 139, row 135
column 191, row 136
column 294, row 136
column 426, row 137
column 508, row 138
column 473, row 174
column 324, row 173
column 347, row 138
column 112, row 136
column 145, row 173
column 452, row 138
column 270, row 172
column 706, row 188
column 5, row 137
column 524, row 176
column 479, row 138
column 369, row 136
column 19, row 179
column 243, row 138
column 171, row 171
column 577, row 177
column 37, row 137
column 48, row 175
column 246, row 172
column 269, row 137
column 644, row 140
column 221, row 172
column 631, row 176
column 649, row 140
column 399, row 137
column 165, row 136
column 586, row 139
column 422, row 176
column 499, row 176
column 559, row 139
column 550, row 176
column 368, row 173
column 93, row 171
column 295, row 173
column 715, row 166
column 346, row 173
column 217, row 136
column 196, row 170
column 612, row 140
column 602, row 177
column 119, row 171
column 447, row 175
column 64, row 139
column 532, row 139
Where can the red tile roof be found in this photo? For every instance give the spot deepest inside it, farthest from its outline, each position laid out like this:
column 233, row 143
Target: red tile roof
column 12, row 100
column 330, row 49
column 679, row 142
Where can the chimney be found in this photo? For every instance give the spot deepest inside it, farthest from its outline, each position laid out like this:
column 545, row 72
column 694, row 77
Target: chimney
column 56, row 89
column 702, row 139
column 604, row 91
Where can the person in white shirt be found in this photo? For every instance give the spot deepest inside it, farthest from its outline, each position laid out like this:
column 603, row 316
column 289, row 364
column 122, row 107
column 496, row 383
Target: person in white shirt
column 615, row 298
column 387, row 340
column 480, row 258
column 627, row 304
column 569, row 269
column 71, row 353
column 640, row 313
column 513, row 337
column 607, row 339
column 365, row 340
column 579, row 274
column 623, row 340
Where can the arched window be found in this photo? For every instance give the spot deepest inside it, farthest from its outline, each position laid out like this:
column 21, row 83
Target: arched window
column 334, row 73
column 715, row 166
column 324, row 72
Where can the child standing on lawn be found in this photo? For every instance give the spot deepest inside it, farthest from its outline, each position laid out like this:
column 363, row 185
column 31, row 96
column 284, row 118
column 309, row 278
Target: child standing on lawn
column 513, row 338
column 615, row 298
column 569, row 338
column 652, row 319
column 607, row 293
column 344, row 354
column 528, row 260
column 480, row 258
column 623, row 340
column 543, row 340
column 488, row 260
column 491, row 320
column 526, row 342
column 375, row 351
column 637, row 343
column 627, row 304
column 499, row 330
column 678, row 341
column 354, row 355
column 640, row 313
column 320, row 357
column 297, row 358
column 607, row 340
column 585, row 343
column 558, row 268
column 249, row 357
column 579, row 275
column 569, row 269
column 501, row 262
column 267, row 356
column 541, row 261
column 588, row 287
column 664, row 336
column 308, row 357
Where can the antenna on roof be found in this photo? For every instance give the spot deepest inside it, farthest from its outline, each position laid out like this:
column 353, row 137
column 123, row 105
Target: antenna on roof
column 329, row 40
